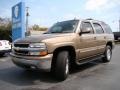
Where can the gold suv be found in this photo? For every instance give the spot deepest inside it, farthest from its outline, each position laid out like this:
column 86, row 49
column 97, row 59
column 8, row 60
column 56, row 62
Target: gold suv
column 64, row 45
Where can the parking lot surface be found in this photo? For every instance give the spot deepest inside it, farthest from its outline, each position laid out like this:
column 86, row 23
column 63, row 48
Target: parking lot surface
column 90, row 76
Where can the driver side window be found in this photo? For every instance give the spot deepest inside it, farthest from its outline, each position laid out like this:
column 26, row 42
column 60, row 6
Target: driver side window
column 85, row 26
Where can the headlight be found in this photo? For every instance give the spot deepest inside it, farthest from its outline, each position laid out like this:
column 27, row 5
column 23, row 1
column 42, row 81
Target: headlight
column 38, row 45
column 42, row 46
column 41, row 53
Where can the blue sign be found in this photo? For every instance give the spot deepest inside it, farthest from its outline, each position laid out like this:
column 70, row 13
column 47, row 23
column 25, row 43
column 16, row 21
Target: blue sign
column 18, row 21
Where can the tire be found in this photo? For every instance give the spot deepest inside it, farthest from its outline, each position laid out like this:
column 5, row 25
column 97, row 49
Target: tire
column 62, row 65
column 108, row 54
column 116, row 38
column 2, row 54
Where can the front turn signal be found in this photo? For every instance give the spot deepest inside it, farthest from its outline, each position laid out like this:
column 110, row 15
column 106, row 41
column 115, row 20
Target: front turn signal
column 43, row 53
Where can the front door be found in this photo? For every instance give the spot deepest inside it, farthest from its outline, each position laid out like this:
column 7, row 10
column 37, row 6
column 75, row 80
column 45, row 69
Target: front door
column 88, row 42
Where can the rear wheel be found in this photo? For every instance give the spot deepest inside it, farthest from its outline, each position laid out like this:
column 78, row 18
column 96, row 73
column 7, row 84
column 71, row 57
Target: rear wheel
column 107, row 54
column 62, row 65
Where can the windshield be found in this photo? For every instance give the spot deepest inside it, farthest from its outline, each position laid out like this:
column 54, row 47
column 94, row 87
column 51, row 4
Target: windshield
column 63, row 27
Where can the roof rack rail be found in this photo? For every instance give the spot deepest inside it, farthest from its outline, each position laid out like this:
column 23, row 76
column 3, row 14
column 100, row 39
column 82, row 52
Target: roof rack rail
column 89, row 19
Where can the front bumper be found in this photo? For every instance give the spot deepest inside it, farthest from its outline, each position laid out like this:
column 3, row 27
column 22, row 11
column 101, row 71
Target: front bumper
column 43, row 62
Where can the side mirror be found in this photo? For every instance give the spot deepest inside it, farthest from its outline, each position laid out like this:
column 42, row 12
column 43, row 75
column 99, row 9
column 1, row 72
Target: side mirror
column 86, row 30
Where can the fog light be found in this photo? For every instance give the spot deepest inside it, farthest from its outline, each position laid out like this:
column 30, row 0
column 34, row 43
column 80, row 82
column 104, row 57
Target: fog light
column 33, row 67
column 34, row 53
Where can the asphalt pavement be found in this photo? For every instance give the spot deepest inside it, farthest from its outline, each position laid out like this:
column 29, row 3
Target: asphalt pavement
column 90, row 76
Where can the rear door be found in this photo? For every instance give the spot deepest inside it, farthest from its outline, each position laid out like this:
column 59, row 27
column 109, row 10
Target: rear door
column 100, row 37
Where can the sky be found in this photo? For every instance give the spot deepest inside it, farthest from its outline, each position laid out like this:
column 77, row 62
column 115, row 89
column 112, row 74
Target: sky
column 48, row 12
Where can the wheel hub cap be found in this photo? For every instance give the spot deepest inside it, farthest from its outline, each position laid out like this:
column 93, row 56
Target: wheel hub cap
column 67, row 66
column 108, row 54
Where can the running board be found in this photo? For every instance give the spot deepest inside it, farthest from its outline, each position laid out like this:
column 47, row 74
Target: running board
column 83, row 61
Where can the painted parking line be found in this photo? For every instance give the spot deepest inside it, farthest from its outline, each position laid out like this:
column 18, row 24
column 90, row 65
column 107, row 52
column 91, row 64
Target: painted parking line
column 3, row 60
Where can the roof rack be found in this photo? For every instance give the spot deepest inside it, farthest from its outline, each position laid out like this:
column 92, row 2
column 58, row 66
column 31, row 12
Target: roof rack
column 89, row 19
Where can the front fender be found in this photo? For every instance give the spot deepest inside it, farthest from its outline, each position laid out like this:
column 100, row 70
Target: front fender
column 58, row 45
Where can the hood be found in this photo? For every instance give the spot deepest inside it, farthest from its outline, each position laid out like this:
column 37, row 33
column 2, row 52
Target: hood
column 35, row 39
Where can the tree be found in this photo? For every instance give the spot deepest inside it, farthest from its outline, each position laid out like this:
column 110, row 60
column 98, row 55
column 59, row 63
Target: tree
column 38, row 28
column 5, row 29
column 35, row 27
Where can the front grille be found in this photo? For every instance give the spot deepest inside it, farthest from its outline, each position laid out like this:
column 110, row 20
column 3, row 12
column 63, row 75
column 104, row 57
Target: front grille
column 21, row 52
column 21, row 45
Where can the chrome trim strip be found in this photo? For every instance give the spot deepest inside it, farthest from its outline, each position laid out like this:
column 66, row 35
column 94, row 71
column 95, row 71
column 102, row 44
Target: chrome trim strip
column 28, row 49
column 49, row 57
column 91, row 48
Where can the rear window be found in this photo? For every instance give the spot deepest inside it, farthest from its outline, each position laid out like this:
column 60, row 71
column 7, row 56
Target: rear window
column 107, row 28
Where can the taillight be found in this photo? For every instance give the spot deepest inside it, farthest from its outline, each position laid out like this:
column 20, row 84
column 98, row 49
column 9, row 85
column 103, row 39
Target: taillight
column 0, row 44
column 9, row 43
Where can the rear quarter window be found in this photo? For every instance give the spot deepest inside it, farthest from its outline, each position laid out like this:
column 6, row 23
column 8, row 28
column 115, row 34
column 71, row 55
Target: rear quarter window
column 107, row 28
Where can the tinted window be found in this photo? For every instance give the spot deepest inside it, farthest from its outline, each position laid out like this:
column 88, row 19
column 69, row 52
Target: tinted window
column 98, row 28
column 106, row 28
column 86, row 25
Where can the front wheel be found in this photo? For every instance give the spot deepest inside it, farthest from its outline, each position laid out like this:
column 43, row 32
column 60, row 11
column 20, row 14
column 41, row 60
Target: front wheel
column 107, row 54
column 62, row 65
column 2, row 54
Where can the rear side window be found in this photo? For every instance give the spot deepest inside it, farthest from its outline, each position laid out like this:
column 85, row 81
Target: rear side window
column 107, row 28
column 98, row 28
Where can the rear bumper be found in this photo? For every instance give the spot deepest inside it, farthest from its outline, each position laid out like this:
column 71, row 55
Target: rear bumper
column 33, row 61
